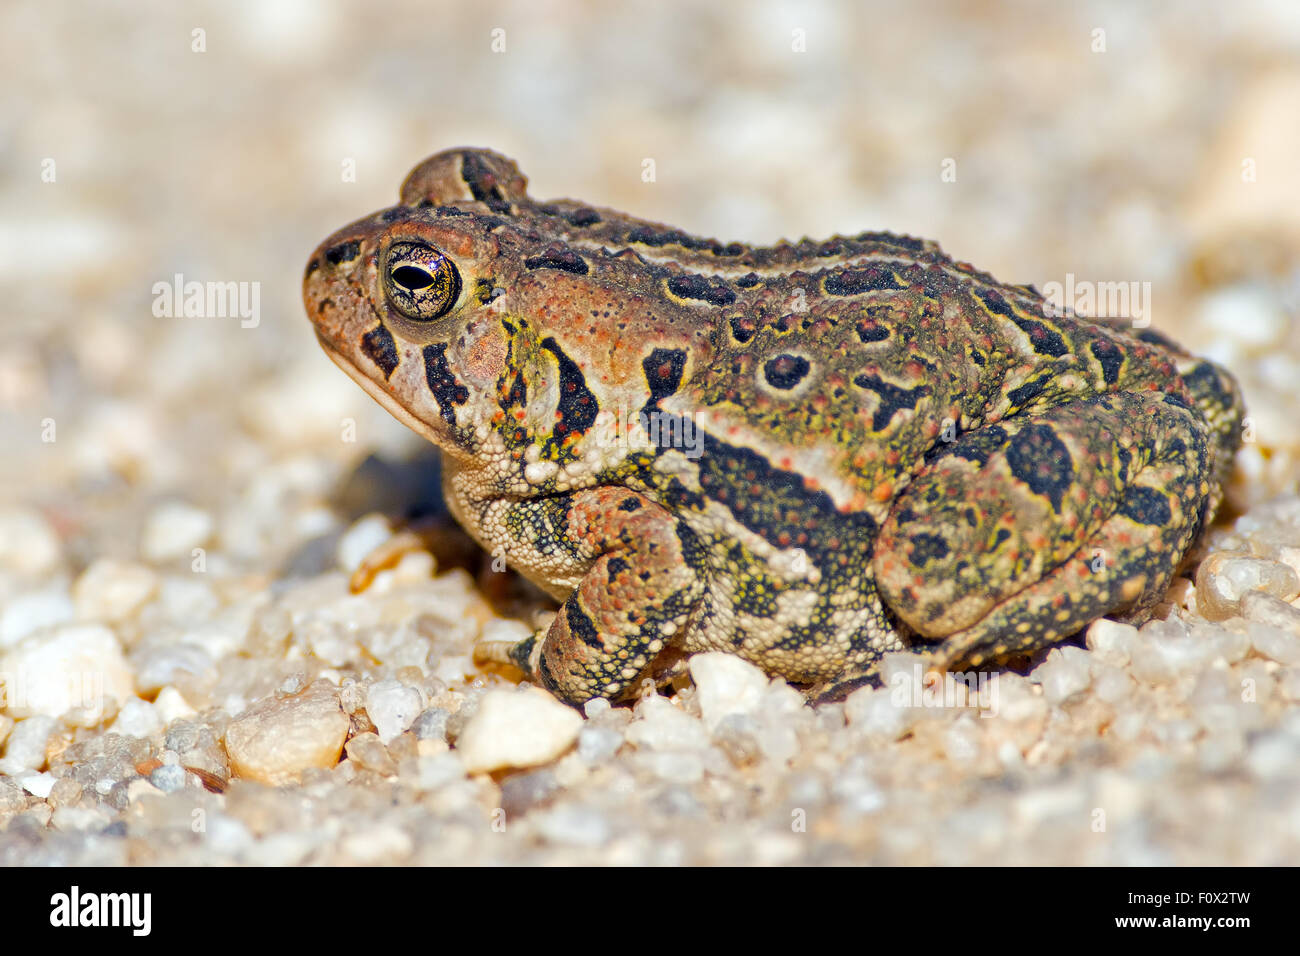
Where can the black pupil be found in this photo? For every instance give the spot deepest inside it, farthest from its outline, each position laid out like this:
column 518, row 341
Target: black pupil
column 412, row 277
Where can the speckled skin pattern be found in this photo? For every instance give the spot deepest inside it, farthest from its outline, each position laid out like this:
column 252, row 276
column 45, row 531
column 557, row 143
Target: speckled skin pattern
column 807, row 454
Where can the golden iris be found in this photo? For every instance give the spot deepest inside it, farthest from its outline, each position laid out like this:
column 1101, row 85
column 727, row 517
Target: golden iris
column 421, row 282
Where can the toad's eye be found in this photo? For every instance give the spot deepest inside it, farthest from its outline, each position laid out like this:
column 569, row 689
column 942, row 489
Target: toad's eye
column 420, row 281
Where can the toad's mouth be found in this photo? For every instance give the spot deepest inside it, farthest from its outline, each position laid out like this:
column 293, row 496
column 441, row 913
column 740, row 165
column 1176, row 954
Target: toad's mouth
column 389, row 401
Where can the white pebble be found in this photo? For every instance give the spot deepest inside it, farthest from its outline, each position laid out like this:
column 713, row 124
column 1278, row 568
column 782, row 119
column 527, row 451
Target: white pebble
column 662, row 726
column 858, row 794
column 1289, row 683
column 778, row 741
column 1223, row 578
column 727, row 685
column 1111, row 641
column 392, row 707
column 37, row 784
column 961, row 740
column 68, row 671
column 1275, row 643
column 25, row 614
column 141, row 788
column 112, row 591
column 28, row 544
column 438, row 770
column 598, row 744
column 158, row 665
column 174, row 530
column 363, row 537
column 1165, row 651
column 80, row 818
column 281, row 849
column 675, row 766
column 277, row 738
column 1113, row 685
column 1273, row 755
column 517, row 728
column 380, row 843
column 1267, row 609
column 227, row 834
column 1064, row 674
column 137, row 718
column 25, row 748
column 574, row 824
column 876, row 712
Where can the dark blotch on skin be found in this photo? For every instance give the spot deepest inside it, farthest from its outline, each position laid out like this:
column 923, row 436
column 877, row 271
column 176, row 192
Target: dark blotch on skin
column 870, row 331
column 581, row 626
column 577, row 405
column 928, row 547
column 786, row 371
column 743, row 327
column 650, row 236
column 774, row 503
column 892, row 398
column 517, row 395
column 978, row 445
column 714, row 291
column 997, row 304
column 1022, row 396
column 616, row 567
column 447, row 391
column 1040, row 459
column 343, row 252
column 564, row 259
column 1042, row 339
column 1110, row 357
column 1147, row 506
column 1203, row 380
column 858, row 281
column 379, row 347
column 574, row 217
column 663, row 372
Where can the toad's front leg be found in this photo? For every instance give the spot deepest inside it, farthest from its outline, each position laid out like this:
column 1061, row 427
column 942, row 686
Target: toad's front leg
column 627, row 614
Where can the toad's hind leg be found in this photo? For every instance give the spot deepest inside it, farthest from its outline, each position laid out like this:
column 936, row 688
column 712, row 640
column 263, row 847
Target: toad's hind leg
column 1022, row 533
